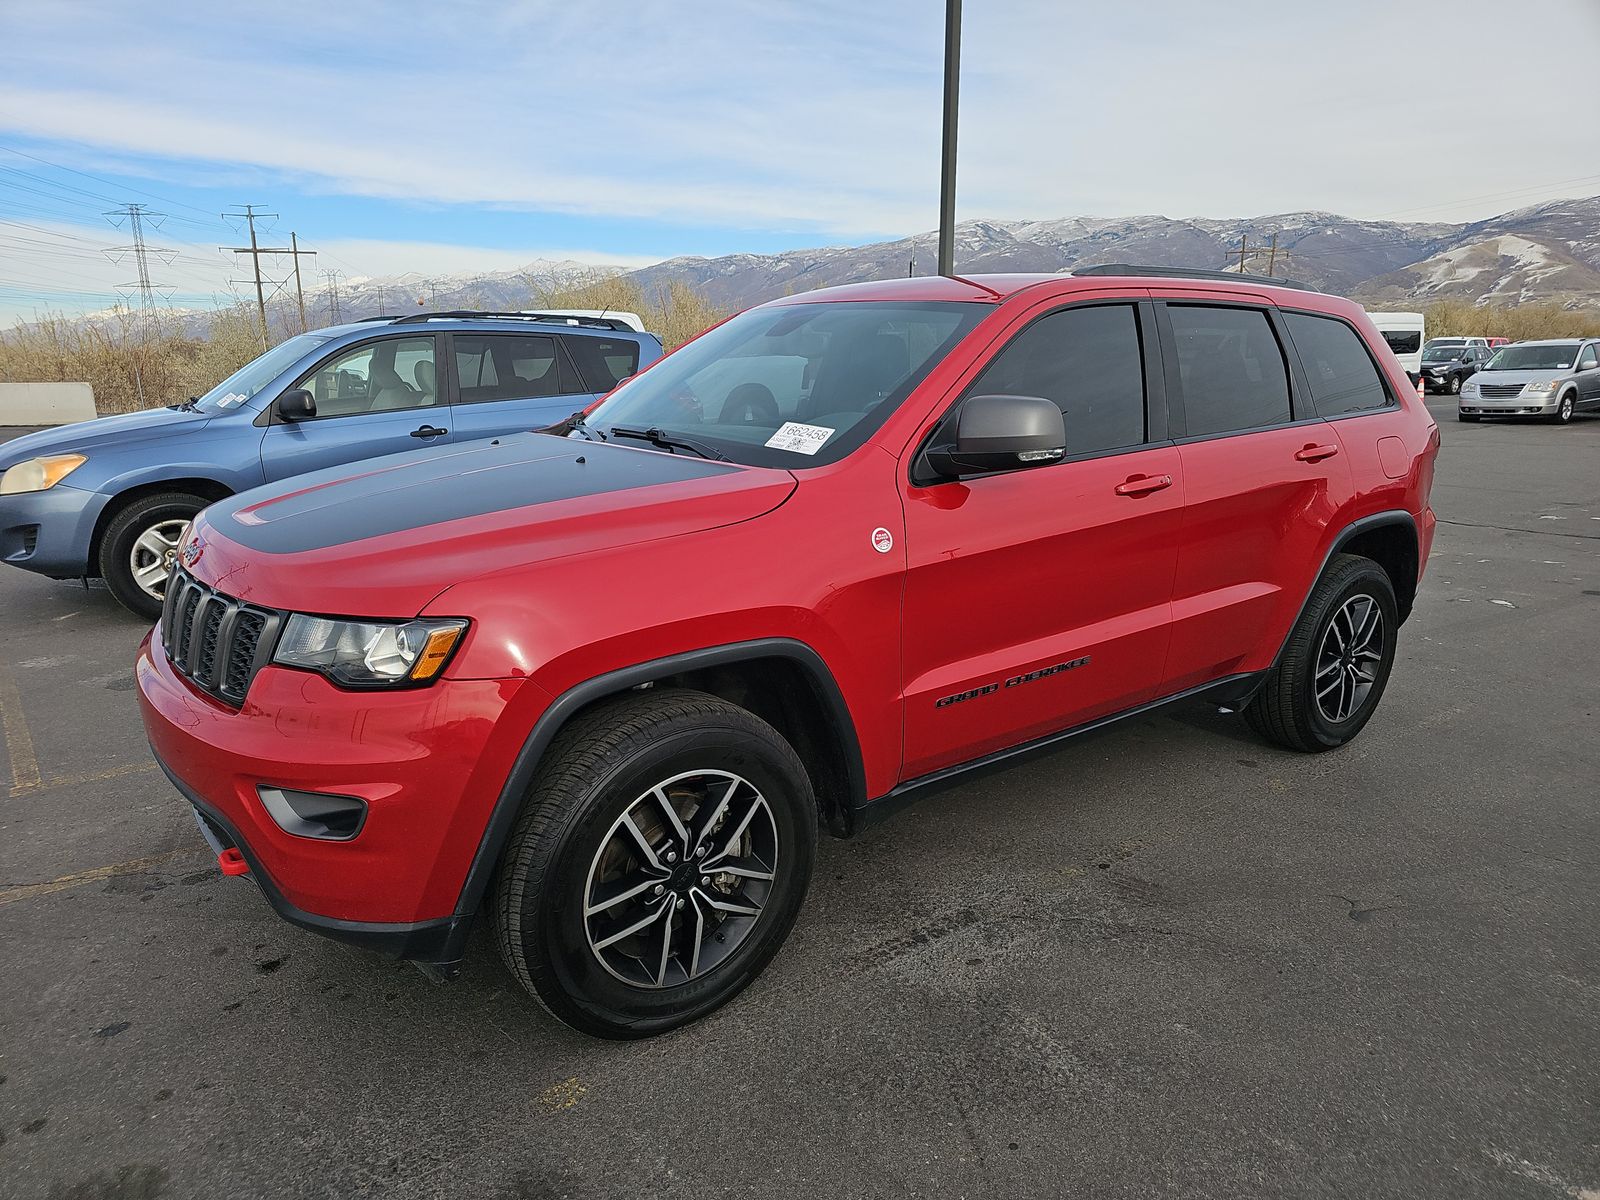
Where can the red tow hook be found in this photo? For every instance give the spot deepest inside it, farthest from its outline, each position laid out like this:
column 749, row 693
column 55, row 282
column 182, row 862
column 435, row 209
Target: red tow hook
column 232, row 862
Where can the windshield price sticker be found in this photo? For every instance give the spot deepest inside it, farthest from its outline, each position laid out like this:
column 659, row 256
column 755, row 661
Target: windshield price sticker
column 801, row 439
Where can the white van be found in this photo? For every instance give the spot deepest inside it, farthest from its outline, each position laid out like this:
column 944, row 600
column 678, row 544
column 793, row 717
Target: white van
column 1405, row 334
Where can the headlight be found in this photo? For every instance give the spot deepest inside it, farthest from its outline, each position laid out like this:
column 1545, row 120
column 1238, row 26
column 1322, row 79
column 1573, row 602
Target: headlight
column 1470, row 388
column 1542, row 386
column 37, row 474
column 363, row 654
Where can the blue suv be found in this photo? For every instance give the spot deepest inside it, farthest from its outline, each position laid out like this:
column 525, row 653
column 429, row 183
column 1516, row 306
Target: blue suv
column 111, row 497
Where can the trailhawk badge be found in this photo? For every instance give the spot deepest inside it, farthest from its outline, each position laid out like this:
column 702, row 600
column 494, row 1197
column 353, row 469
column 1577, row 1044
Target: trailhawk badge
column 882, row 540
column 191, row 553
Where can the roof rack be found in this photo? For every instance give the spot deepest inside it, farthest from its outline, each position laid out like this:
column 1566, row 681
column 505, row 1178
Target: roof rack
column 1192, row 273
column 541, row 318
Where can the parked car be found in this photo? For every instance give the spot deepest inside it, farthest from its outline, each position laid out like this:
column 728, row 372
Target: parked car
column 1550, row 379
column 605, row 689
column 1447, row 363
column 1404, row 332
column 1496, row 342
column 111, row 497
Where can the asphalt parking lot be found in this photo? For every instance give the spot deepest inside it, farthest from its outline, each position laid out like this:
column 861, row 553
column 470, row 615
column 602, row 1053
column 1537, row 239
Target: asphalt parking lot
column 1169, row 960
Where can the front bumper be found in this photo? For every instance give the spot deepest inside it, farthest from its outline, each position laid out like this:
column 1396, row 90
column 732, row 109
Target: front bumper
column 50, row 532
column 429, row 763
column 1515, row 406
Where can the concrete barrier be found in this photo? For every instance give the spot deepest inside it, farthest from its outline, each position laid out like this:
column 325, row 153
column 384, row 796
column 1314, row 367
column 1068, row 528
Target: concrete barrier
column 45, row 403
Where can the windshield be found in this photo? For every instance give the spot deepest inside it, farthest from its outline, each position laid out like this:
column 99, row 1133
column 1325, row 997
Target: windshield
column 257, row 373
column 1534, row 358
column 1443, row 353
column 792, row 386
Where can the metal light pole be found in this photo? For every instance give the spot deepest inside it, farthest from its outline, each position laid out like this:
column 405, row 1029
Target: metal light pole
column 947, row 164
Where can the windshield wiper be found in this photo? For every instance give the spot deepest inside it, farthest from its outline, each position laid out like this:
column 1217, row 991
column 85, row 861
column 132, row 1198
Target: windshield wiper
column 666, row 441
column 189, row 405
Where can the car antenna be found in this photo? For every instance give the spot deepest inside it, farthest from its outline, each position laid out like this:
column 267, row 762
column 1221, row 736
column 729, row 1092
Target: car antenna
column 982, row 287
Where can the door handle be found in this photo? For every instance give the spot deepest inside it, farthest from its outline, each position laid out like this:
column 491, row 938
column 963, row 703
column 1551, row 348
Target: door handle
column 428, row 431
column 1143, row 485
column 1314, row 453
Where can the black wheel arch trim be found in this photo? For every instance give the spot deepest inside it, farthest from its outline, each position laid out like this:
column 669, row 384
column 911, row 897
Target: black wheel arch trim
column 508, row 806
column 1390, row 518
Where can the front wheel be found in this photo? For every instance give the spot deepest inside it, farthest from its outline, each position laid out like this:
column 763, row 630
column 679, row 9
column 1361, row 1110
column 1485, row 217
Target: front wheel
column 1563, row 413
column 1455, row 385
column 1469, row 417
column 658, row 865
column 1327, row 682
column 140, row 546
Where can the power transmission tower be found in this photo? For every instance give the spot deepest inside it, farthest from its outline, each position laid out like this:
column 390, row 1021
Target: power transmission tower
column 333, row 295
column 136, row 216
column 254, row 251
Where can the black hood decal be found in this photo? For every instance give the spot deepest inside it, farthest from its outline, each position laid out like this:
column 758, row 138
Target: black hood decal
column 408, row 491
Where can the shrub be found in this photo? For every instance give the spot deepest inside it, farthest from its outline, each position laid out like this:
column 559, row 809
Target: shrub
column 1520, row 323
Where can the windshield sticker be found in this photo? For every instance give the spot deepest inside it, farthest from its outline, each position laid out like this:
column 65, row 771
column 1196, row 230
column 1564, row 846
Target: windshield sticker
column 231, row 399
column 801, row 439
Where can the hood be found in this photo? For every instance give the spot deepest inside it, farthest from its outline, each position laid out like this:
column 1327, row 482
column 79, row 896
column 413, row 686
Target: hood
column 384, row 541
column 1509, row 377
column 84, row 436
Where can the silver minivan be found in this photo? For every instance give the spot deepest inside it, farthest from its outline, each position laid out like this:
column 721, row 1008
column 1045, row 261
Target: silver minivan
column 1550, row 379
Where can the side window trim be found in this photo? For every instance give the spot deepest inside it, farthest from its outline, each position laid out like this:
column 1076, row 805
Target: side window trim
column 1391, row 401
column 345, row 351
column 1155, row 390
column 1299, row 398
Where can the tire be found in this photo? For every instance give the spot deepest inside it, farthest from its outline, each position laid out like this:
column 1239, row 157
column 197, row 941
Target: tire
column 612, row 763
column 1455, row 385
column 1563, row 412
column 1287, row 709
column 157, row 520
column 1461, row 416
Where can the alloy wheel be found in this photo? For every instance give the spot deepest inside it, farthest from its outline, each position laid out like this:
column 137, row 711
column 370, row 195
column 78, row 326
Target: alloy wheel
column 681, row 879
column 1564, row 413
column 1349, row 658
column 154, row 551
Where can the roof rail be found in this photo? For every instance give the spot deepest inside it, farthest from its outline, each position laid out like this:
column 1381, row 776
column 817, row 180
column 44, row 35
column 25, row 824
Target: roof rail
column 542, row 318
column 1192, row 273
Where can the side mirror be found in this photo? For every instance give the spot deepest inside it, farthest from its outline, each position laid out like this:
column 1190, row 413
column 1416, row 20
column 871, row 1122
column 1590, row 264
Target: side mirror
column 1002, row 433
column 297, row 404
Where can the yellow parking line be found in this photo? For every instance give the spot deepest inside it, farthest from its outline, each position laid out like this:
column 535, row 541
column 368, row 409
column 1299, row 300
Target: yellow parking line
column 19, row 742
column 61, row 781
column 62, row 882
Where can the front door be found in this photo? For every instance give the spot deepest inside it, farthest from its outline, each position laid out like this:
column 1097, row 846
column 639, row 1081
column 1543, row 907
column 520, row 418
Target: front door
column 1038, row 599
column 1589, row 375
column 376, row 397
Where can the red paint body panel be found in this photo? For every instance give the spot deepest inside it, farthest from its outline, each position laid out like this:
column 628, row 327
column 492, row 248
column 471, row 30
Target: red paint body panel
column 984, row 581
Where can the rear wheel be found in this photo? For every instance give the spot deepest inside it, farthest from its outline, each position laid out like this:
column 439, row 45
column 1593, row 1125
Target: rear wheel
column 659, row 864
column 1332, row 672
column 140, row 546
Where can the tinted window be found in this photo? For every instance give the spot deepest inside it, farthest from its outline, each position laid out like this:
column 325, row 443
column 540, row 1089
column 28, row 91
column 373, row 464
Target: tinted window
column 1085, row 359
column 1589, row 359
column 1403, row 341
column 507, row 367
column 1232, row 369
column 1339, row 371
column 394, row 373
column 603, row 362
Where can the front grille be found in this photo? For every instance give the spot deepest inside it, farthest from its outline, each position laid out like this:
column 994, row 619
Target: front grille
column 218, row 642
column 1499, row 391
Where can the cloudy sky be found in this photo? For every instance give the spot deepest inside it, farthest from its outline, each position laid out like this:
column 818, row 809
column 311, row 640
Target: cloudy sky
column 425, row 137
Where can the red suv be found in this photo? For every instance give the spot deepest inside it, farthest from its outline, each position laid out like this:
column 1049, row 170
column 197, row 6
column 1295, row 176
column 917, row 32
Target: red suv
column 838, row 552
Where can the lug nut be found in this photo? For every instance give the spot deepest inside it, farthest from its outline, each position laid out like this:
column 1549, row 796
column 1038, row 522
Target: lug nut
column 705, row 881
column 672, row 856
column 660, row 888
column 700, row 853
column 681, row 902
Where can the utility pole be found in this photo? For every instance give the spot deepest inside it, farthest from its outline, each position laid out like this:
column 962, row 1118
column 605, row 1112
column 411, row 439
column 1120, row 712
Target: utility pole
column 333, row 295
column 947, row 158
column 255, row 251
column 299, row 293
column 1246, row 252
column 1272, row 254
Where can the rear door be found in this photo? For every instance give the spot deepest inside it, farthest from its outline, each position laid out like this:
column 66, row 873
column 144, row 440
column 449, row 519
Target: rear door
column 376, row 397
column 1263, row 477
column 1588, row 370
column 509, row 382
column 1038, row 599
